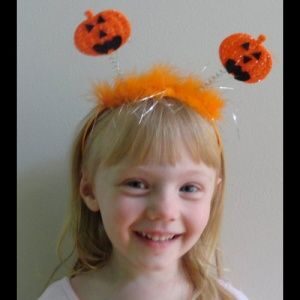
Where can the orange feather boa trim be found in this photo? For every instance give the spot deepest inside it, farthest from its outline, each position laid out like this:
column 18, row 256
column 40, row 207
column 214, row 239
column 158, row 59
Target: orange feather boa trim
column 161, row 81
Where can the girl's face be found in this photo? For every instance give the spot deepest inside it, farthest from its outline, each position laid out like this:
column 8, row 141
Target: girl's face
column 153, row 214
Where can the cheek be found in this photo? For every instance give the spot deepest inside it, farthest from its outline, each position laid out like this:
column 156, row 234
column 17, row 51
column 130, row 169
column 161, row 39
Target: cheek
column 118, row 217
column 126, row 211
column 121, row 212
column 197, row 218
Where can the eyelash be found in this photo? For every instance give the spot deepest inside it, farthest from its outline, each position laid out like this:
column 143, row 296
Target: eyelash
column 195, row 188
column 133, row 184
column 136, row 184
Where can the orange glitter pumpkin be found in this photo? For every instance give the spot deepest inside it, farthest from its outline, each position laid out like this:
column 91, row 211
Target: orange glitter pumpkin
column 245, row 57
column 102, row 33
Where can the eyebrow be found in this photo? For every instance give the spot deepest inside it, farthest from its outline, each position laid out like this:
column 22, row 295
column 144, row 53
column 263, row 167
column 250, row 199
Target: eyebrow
column 195, row 172
column 145, row 170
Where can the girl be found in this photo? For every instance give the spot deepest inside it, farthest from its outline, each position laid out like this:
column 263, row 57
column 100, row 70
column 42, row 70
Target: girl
column 148, row 182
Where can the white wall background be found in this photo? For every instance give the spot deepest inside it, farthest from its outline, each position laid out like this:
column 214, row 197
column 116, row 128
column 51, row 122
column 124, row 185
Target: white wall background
column 54, row 81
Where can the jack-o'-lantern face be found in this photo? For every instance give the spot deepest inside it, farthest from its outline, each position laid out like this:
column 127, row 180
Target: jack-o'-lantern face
column 245, row 58
column 102, row 33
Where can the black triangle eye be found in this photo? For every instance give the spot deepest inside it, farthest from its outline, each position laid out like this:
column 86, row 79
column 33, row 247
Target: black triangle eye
column 246, row 46
column 100, row 20
column 89, row 27
column 102, row 34
column 246, row 59
column 257, row 55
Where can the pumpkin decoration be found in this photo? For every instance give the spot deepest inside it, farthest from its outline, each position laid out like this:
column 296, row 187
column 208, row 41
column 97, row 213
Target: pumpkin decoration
column 245, row 57
column 102, row 33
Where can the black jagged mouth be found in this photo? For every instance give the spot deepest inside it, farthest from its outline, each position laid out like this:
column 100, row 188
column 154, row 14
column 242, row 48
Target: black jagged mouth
column 233, row 68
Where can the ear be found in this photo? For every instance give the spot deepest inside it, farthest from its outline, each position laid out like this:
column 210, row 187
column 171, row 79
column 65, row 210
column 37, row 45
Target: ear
column 87, row 194
column 219, row 180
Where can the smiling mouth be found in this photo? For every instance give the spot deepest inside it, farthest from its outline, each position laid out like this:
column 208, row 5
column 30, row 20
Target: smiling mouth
column 157, row 238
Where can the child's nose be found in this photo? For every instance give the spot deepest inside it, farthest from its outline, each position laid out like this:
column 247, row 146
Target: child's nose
column 163, row 206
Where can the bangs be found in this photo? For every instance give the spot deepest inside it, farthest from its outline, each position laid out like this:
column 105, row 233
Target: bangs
column 153, row 131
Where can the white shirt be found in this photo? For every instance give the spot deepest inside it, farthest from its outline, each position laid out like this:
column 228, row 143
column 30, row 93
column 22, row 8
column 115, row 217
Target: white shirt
column 62, row 290
column 59, row 290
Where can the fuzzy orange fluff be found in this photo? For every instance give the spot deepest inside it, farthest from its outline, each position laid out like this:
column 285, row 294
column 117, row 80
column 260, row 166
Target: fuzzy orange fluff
column 161, row 81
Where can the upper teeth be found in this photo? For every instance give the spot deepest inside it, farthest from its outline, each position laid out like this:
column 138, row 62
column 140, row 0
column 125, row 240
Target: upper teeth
column 156, row 237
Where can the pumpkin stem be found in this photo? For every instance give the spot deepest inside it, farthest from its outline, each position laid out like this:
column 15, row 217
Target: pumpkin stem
column 261, row 38
column 89, row 14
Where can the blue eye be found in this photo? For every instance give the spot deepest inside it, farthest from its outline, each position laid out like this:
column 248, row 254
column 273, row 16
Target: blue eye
column 189, row 188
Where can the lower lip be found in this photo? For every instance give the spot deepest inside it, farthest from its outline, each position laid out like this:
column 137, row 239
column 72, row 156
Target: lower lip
column 158, row 245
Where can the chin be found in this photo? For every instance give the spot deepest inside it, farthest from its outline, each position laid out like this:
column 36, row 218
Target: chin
column 157, row 264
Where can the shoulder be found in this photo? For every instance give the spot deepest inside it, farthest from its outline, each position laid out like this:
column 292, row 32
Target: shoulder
column 59, row 290
column 239, row 295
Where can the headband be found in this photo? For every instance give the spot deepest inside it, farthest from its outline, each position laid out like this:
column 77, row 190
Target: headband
column 242, row 56
column 159, row 82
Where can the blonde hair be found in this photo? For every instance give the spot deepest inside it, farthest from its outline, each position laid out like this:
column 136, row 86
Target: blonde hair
column 142, row 132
